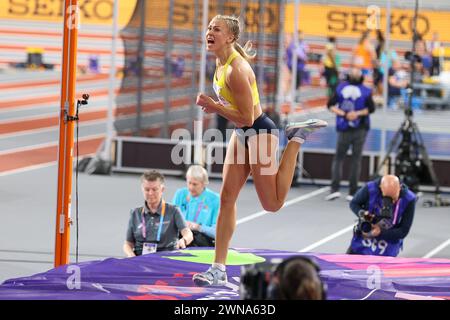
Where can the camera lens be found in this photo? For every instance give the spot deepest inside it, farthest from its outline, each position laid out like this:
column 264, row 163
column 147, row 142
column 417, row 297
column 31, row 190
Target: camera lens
column 366, row 227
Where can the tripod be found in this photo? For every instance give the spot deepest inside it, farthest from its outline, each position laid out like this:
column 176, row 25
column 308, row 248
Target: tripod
column 412, row 158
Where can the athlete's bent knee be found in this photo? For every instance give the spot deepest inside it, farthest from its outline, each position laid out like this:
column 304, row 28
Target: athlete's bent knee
column 272, row 207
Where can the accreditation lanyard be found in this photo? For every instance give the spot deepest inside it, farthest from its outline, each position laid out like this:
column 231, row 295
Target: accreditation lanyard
column 199, row 208
column 396, row 212
column 161, row 219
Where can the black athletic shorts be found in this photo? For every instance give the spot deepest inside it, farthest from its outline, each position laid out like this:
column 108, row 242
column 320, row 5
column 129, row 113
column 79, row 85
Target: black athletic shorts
column 263, row 124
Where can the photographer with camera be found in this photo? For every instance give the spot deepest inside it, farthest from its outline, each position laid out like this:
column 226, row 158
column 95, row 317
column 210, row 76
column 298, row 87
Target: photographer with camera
column 385, row 210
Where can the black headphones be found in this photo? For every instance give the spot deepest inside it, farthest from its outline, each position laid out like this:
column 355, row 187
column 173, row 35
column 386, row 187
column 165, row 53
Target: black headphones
column 274, row 290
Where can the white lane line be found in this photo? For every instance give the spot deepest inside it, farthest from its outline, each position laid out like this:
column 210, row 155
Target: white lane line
column 31, row 147
column 286, row 204
column 50, row 106
column 29, row 168
column 43, row 116
column 310, row 110
column 48, row 144
column 38, row 166
column 327, row 239
column 437, row 249
column 50, row 128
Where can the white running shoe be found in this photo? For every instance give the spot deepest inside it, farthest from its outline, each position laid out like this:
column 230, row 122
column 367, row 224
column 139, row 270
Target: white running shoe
column 211, row 277
column 349, row 198
column 333, row 195
column 298, row 131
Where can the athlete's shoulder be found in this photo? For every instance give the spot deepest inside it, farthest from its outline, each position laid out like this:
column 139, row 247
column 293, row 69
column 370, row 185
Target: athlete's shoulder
column 239, row 63
column 240, row 69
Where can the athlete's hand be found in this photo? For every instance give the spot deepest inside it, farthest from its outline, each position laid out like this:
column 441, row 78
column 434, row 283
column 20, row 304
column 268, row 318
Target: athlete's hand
column 206, row 102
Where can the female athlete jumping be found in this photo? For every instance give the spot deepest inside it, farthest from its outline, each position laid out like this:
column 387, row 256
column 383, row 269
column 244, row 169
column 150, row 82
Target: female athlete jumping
column 254, row 140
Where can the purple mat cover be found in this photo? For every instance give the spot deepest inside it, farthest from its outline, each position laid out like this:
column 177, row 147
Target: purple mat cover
column 167, row 276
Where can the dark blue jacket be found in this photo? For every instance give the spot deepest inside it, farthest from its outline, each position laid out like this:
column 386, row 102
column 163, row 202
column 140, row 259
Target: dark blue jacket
column 390, row 241
column 352, row 97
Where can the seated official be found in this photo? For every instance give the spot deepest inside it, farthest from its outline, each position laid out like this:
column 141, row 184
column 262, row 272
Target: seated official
column 199, row 206
column 156, row 225
column 385, row 210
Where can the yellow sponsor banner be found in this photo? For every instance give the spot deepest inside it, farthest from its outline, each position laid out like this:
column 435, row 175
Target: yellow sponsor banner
column 346, row 21
column 96, row 12
column 318, row 20
column 184, row 14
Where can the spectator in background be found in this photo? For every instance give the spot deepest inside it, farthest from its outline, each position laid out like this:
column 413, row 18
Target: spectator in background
column 364, row 55
column 398, row 81
column 94, row 65
column 378, row 67
column 382, row 58
column 379, row 47
column 155, row 226
column 391, row 58
column 285, row 73
column 419, row 70
column 434, row 48
column 425, row 57
column 417, row 77
column 331, row 62
column 301, row 49
column 352, row 103
column 199, row 206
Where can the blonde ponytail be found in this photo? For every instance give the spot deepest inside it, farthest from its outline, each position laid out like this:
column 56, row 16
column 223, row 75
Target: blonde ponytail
column 246, row 51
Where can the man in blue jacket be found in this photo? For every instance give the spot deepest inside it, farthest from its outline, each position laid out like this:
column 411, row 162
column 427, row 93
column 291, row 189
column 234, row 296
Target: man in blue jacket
column 352, row 103
column 387, row 208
